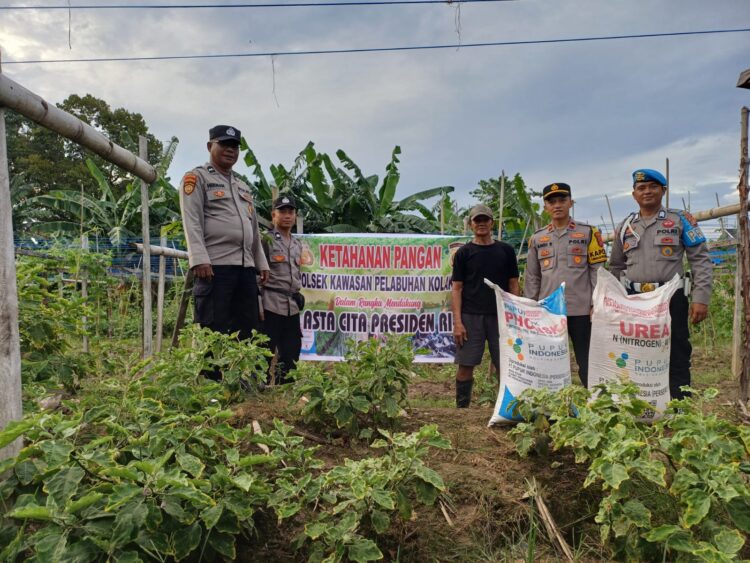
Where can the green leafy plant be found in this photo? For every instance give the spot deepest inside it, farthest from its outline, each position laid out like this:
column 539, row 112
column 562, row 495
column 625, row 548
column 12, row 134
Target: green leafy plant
column 49, row 318
column 366, row 391
column 147, row 465
column 677, row 489
column 358, row 500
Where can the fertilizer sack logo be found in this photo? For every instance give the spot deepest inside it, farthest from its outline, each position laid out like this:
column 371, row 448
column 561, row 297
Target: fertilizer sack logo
column 516, row 344
column 620, row 362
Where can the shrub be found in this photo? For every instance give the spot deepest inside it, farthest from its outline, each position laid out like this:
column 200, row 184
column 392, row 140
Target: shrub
column 675, row 490
column 366, row 391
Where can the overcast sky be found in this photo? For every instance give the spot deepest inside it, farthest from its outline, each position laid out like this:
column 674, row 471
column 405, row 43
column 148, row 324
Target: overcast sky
column 585, row 113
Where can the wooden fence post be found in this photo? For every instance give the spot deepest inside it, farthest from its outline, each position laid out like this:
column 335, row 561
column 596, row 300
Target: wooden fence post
column 160, row 294
column 85, row 292
column 146, row 277
column 11, row 407
column 744, row 261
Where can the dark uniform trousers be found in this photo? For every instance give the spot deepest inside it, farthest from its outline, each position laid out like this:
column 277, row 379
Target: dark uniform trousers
column 229, row 301
column 579, row 330
column 285, row 337
column 680, row 347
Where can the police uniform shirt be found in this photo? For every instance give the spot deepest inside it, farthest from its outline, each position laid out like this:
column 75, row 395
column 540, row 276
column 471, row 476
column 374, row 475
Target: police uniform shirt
column 651, row 250
column 284, row 256
column 572, row 255
column 219, row 219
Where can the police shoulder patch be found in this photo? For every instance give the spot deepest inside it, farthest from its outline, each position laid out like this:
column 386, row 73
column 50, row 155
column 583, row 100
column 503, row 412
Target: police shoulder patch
column 188, row 183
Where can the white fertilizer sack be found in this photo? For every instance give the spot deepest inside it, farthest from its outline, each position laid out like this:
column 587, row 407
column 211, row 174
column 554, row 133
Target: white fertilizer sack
column 533, row 347
column 630, row 339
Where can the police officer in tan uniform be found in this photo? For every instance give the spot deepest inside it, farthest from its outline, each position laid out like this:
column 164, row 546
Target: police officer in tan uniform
column 282, row 300
column 647, row 251
column 571, row 252
column 224, row 245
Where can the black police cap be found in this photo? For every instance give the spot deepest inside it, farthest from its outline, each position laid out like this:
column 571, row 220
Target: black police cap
column 556, row 189
column 224, row 133
column 284, row 201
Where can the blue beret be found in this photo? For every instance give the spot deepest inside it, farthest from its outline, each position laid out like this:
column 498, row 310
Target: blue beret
column 649, row 175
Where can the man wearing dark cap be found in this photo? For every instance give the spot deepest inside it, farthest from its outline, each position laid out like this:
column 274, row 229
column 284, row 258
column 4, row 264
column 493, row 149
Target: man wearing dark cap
column 282, row 300
column 474, row 304
column 223, row 240
column 647, row 252
column 571, row 252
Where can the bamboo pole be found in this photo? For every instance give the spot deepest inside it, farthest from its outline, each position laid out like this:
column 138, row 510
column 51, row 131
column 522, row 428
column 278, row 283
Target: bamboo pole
column 161, row 251
column 744, row 263
column 668, row 184
column 11, row 407
column 502, row 206
column 85, row 293
column 611, row 217
column 16, row 97
column 160, row 294
column 148, row 325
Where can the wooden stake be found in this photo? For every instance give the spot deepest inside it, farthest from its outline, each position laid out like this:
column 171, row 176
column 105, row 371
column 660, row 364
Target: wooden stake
column 502, row 206
column 744, row 263
column 182, row 311
column 10, row 344
column 442, row 214
column 737, row 318
column 160, row 294
column 85, row 292
column 549, row 523
column 148, row 325
column 611, row 218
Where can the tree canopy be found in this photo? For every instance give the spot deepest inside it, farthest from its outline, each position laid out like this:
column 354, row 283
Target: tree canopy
column 48, row 162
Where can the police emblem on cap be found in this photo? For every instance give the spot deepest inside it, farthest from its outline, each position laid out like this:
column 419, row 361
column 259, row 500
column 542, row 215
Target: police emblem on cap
column 285, row 200
column 640, row 176
column 230, row 131
column 554, row 188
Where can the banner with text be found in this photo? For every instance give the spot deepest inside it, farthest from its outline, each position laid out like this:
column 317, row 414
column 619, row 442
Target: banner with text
column 361, row 286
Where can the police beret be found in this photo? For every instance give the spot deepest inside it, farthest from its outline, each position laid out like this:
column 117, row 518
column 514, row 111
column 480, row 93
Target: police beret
column 555, row 189
column 224, row 133
column 284, row 201
column 648, row 175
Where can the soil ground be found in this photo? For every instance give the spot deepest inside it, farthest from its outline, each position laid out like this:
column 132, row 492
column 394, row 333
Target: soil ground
column 491, row 516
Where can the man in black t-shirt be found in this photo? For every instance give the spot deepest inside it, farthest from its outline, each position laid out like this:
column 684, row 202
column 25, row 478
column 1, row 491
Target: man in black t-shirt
column 474, row 305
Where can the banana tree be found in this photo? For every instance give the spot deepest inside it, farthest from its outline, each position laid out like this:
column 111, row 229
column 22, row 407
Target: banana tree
column 518, row 209
column 118, row 218
column 343, row 199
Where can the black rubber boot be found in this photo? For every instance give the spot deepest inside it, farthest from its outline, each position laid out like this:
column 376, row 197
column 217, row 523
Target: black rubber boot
column 463, row 393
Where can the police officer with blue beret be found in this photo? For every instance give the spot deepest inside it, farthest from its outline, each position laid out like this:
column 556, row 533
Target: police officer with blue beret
column 648, row 250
